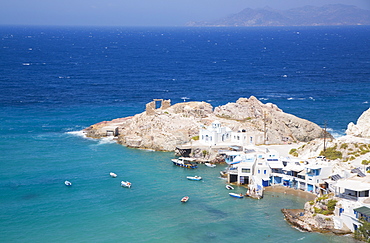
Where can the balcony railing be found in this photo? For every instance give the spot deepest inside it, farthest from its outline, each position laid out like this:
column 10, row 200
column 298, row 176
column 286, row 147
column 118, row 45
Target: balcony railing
column 346, row 196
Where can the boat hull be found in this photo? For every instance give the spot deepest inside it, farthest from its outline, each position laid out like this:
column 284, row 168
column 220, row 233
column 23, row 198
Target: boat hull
column 236, row 195
column 184, row 199
column 126, row 184
column 189, row 166
column 194, row 178
column 228, row 187
column 67, row 183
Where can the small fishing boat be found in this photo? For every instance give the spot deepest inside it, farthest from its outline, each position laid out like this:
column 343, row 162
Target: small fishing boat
column 228, row 187
column 184, row 162
column 237, row 195
column 126, row 184
column 68, row 183
column 114, row 175
column 184, row 199
column 194, row 178
column 210, row 165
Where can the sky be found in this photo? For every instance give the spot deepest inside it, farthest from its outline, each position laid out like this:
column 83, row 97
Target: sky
column 138, row 12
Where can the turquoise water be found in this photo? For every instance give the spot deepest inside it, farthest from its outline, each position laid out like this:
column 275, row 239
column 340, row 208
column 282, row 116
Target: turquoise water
column 57, row 80
column 36, row 206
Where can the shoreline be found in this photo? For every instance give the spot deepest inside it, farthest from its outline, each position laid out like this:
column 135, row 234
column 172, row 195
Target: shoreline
column 290, row 191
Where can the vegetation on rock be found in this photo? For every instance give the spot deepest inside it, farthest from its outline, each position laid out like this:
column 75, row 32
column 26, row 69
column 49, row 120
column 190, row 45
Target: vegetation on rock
column 363, row 231
column 332, row 153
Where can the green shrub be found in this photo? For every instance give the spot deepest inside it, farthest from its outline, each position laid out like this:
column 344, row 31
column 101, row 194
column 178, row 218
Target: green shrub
column 365, row 162
column 195, row 138
column 319, row 199
column 331, row 205
column 204, row 152
column 317, row 210
column 364, row 151
column 326, row 212
column 293, row 152
column 344, row 146
column 332, row 153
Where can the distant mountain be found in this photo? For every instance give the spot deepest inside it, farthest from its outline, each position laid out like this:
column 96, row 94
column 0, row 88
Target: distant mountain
column 332, row 14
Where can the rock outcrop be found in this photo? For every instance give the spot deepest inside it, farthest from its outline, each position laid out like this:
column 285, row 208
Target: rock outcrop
column 362, row 128
column 317, row 216
column 279, row 126
column 169, row 126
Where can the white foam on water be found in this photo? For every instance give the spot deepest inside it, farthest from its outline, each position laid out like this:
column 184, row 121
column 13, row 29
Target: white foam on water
column 335, row 133
column 78, row 133
column 107, row 140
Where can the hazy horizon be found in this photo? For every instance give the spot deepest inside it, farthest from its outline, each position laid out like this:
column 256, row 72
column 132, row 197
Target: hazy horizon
column 142, row 13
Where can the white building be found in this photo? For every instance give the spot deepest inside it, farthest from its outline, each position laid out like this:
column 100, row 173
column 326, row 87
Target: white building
column 216, row 134
column 355, row 202
column 245, row 138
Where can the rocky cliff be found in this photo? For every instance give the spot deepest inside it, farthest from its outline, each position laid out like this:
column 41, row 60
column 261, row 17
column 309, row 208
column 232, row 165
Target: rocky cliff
column 169, row 126
column 362, row 128
column 353, row 147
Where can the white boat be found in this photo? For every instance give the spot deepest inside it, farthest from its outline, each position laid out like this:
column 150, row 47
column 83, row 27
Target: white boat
column 184, row 162
column 194, row 178
column 184, row 199
column 68, row 183
column 228, row 187
column 210, row 165
column 114, row 175
column 126, row 184
column 237, row 195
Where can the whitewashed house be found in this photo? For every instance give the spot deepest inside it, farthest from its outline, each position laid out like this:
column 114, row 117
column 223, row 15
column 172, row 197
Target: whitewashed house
column 241, row 169
column 245, row 138
column 214, row 134
column 217, row 134
column 354, row 201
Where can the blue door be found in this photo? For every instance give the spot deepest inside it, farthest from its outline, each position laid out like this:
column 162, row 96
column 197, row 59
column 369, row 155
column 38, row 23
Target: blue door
column 309, row 188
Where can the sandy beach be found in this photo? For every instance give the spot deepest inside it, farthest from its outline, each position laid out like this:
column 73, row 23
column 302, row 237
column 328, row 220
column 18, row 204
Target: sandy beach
column 290, row 191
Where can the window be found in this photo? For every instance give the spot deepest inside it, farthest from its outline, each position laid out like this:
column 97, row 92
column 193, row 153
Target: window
column 245, row 170
column 259, row 172
column 264, row 172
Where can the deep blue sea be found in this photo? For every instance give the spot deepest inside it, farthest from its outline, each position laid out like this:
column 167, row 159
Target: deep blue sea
column 58, row 80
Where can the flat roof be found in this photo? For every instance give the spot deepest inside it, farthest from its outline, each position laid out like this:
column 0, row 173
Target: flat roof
column 363, row 210
column 353, row 185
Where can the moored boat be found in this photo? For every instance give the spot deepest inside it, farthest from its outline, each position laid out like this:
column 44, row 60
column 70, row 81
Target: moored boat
column 126, row 184
column 194, row 178
column 184, row 162
column 228, row 187
column 68, row 183
column 114, row 175
column 184, row 199
column 237, row 195
column 210, row 165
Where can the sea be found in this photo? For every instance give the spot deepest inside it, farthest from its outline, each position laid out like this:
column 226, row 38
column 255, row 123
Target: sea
column 56, row 81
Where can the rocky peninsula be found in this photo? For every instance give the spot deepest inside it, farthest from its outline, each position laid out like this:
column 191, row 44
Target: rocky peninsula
column 170, row 126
